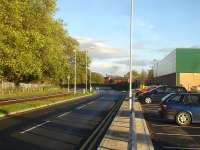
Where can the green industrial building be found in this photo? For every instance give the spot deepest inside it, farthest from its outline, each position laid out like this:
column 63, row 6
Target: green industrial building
column 180, row 67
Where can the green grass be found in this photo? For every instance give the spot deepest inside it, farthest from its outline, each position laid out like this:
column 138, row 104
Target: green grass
column 13, row 93
column 7, row 109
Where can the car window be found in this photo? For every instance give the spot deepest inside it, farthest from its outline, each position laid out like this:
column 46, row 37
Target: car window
column 195, row 99
column 176, row 99
column 186, row 99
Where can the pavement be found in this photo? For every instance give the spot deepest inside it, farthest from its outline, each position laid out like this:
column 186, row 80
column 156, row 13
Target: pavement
column 59, row 127
column 118, row 135
column 168, row 135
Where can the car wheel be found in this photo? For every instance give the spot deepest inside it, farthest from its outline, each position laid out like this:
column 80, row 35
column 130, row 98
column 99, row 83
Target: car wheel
column 148, row 100
column 183, row 119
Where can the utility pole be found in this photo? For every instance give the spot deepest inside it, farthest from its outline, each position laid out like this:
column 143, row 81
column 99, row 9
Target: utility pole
column 86, row 69
column 132, row 139
column 68, row 77
column 75, row 71
column 90, row 81
column 130, row 59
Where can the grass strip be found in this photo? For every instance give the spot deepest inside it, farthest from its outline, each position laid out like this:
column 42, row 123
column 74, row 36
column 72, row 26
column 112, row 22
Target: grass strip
column 32, row 93
column 7, row 109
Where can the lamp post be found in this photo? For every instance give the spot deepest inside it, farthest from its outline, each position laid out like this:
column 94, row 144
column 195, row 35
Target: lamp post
column 86, row 69
column 130, row 60
column 90, row 81
column 75, row 71
column 132, row 141
column 68, row 77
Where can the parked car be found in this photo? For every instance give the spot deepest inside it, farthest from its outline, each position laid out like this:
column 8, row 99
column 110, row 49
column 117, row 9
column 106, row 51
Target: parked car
column 156, row 94
column 146, row 89
column 183, row 108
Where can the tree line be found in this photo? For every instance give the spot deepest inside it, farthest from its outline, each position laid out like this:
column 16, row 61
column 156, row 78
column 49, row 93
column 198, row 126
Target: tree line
column 36, row 47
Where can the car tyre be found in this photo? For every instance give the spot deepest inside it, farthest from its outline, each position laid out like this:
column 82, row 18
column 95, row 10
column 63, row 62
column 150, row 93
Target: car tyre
column 148, row 100
column 183, row 119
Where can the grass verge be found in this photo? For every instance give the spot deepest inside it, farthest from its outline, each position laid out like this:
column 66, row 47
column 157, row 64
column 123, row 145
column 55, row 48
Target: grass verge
column 31, row 92
column 25, row 106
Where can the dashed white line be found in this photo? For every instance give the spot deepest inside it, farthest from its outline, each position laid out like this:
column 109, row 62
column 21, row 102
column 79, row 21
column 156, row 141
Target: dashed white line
column 34, row 127
column 174, row 134
column 91, row 102
column 64, row 114
column 181, row 148
column 81, row 107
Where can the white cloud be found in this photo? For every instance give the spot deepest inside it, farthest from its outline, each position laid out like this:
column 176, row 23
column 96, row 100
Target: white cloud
column 109, row 60
column 99, row 49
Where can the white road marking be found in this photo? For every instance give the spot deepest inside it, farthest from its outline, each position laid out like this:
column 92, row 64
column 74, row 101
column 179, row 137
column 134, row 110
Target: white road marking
column 189, row 148
column 91, row 102
column 163, row 125
column 81, row 106
column 174, row 134
column 34, row 127
column 64, row 114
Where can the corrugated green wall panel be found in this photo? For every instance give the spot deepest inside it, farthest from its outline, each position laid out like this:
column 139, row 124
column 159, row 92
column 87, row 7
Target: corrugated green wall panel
column 188, row 60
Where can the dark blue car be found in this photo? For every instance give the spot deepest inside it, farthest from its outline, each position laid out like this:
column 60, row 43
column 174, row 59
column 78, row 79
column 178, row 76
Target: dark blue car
column 183, row 108
column 156, row 94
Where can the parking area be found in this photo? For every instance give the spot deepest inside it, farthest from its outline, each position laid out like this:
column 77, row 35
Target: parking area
column 167, row 135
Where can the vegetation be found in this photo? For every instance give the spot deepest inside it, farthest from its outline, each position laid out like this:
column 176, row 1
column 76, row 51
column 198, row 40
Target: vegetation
column 34, row 46
column 21, row 92
column 7, row 109
column 97, row 78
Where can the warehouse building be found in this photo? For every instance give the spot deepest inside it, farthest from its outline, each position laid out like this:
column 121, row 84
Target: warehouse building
column 180, row 67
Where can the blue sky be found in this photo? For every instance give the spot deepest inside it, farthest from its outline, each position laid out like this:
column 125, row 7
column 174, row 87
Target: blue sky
column 102, row 27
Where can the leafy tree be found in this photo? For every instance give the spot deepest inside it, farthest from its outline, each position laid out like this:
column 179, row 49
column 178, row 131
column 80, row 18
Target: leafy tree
column 97, row 78
column 34, row 45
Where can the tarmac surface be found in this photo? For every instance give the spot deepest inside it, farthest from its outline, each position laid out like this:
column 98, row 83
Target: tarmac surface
column 167, row 135
column 59, row 127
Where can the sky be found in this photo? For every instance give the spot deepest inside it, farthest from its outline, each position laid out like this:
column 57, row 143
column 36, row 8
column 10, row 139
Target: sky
column 102, row 27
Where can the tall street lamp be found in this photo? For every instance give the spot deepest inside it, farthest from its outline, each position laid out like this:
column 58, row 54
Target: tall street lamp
column 68, row 77
column 130, row 59
column 132, row 144
column 86, row 69
column 75, row 71
column 90, row 81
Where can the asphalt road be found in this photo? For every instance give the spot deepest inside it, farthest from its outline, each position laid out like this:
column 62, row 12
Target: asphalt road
column 61, row 127
column 169, row 136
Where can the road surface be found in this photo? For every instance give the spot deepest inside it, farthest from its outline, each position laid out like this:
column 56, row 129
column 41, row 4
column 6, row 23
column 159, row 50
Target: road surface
column 62, row 127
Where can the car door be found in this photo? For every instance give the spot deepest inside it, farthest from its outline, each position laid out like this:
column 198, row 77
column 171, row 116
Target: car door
column 195, row 107
column 158, row 94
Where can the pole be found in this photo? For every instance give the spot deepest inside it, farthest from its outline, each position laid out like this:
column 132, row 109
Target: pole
column 86, row 71
column 132, row 139
column 75, row 72
column 90, row 81
column 130, row 60
column 68, row 77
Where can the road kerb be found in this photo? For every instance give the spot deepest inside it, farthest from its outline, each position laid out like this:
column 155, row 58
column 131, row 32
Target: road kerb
column 142, row 133
column 43, row 106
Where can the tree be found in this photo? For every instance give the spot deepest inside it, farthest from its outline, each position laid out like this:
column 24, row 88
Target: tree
column 34, row 45
column 97, row 78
